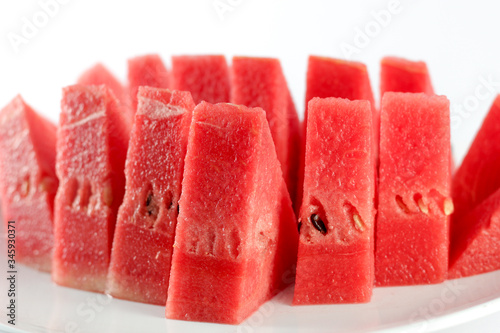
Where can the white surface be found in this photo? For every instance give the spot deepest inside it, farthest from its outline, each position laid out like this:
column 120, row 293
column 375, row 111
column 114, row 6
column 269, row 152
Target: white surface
column 455, row 38
column 45, row 307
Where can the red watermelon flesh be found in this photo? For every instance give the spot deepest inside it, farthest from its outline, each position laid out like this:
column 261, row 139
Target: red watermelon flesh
column 147, row 70
column 206, row 77
column 91, row 150
column 478, row 176
column 142, row 246
column 28, row 181
column 99, row 74
column 260, row 82
column 401, row 75
column 328, row 77
column 335, row 260
column 475, row 243
column 236, row 238
column 412, row 232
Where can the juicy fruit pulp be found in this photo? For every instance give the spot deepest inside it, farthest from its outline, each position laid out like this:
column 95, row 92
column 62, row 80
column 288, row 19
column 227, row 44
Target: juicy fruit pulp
column 91, row 149
column 335, row 259
column 147, row 70
column 236, row 238
column 28, row 182
column 401, row 75
column 142, row 246
column 205, row 77
column 259, row 82
column 476, row 185
column 98, row 75
column 412, row 232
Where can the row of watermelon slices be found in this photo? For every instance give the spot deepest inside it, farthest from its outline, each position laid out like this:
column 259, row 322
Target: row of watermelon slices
column 159, row 195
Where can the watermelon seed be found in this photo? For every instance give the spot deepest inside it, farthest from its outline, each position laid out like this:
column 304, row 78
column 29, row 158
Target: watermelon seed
column 107, row 195
column 299, row 226
column 318, row 223
column 420, row 203
column 358, row 222
column 402, row 205
column 449, row 208
column 25, row 187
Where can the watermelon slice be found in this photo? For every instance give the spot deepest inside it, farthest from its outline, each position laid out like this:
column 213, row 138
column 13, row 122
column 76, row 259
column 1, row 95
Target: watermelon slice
column 475, row 245
column 142, row 246
column 97, row 75
column 259, row 82
column 414, row 201
column 328, row 77
column 206, row 77
column 236, row 238
column 28, row 181
column 335, row 260
column 91, row 149
column 478, row 177
column 401, row 75
column 147, row 70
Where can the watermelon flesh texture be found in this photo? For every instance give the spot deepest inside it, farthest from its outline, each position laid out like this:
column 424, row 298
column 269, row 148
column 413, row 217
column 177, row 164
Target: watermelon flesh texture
column 91, row 150
column 402, row 75
column 412, row 232
column 147, row 70
column 206, row 77
column 328, row 77
column 335, row 259
column 28, row 181
column 236, row 238
column 477, row 177
column 142, row 246
column 260, row 82
column 98, row 75
column 475, row 243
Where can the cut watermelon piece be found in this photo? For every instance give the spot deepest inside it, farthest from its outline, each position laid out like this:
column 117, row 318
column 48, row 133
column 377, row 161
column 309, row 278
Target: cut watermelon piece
column 328, row 77
column 412, row 232
column 475, row 245
column 236, row 238
column 142, row 246
column 91, row 149
column 259, row 82
column 147, row 70
column 401, row 75
column 335, row 260
column 98, row 75
column 28, row 181
column 478, row 177
column 206, row 77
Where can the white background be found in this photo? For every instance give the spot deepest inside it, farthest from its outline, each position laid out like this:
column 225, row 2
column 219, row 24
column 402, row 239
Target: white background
column 457, row 39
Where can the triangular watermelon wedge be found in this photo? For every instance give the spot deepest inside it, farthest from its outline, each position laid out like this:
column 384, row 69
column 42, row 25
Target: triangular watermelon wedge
column 236, row 238
column 28, row 182
column 475, row 243
column 335, row 259
column 412, row 232
column 98, row 75
column 206, row 77
column 142, row 246
column 147, row 70
column 92, row 144
column 260, row 82
column 478, row 176
column 402, row 75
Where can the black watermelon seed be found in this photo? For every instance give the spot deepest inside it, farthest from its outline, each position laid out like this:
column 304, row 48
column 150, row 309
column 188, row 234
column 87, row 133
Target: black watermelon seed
column 317, row 222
